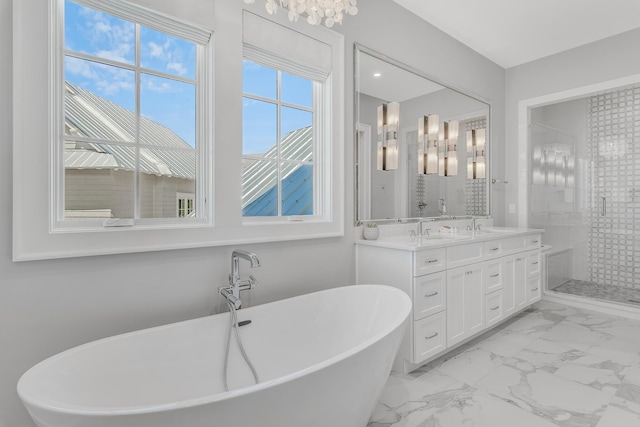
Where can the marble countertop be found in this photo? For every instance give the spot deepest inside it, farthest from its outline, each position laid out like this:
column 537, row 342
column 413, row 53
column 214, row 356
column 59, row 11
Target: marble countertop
column 444, row 239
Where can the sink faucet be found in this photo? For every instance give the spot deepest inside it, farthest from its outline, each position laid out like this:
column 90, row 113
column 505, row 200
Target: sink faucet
column 232, row 292
column 421, row 231
column 474, row 225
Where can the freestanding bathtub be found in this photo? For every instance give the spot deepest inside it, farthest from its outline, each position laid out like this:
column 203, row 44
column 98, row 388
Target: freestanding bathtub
column 322, row 359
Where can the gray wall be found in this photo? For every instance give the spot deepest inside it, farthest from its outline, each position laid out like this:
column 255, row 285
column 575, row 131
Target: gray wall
column 609, row 59
column 49, row 306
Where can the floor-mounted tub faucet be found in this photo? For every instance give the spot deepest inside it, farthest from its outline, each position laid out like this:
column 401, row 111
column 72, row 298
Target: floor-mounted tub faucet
column 232, row 292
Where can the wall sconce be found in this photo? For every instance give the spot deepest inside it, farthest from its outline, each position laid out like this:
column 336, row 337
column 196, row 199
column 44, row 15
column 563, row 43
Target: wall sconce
column 428, row 134
column 570, row 165
column 476, row 143
column 448, row 163
column 537, row 161
column 388, row 122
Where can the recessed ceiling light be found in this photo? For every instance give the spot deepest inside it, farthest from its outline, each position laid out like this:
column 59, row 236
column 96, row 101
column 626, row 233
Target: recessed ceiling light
column 377, row 74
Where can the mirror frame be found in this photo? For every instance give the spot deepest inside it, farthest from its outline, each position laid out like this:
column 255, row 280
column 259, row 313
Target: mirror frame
column 359, row 48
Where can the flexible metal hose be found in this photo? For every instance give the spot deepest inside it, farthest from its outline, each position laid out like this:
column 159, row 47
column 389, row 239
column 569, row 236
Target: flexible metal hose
column 234, row 325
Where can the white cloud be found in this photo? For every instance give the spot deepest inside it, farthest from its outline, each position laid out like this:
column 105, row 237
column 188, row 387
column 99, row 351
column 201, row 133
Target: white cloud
column 177, row 67
column 157, row 86
column 102, row 27
column 81, row 68
column 108, row 36
column 112, row 87
column 155, row 50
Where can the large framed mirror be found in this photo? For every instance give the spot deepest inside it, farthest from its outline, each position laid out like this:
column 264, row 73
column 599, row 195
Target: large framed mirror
column 421, row 147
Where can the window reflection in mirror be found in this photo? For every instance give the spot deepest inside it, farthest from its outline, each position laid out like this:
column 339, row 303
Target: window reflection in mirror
column 405, row 192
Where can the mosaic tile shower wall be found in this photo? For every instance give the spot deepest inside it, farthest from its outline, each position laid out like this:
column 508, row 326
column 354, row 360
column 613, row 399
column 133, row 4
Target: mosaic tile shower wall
column 475, row 190
column 613, row 140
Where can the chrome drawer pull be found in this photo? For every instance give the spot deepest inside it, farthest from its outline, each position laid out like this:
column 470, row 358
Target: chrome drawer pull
column 535, row 263
column 431, row 295
column 534, row 241
column 435, row 334
column 495, row 308
column 495, row 275
column 430, row 261
column 533, row 290
column 494, row 249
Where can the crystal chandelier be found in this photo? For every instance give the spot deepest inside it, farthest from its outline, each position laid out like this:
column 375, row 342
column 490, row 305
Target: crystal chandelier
column 332, row 11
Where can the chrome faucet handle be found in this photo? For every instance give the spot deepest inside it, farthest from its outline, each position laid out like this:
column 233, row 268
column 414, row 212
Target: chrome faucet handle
column 253, row 282
column 245, row 285
column 425, row 232
column 412, row 234
column 227, row 293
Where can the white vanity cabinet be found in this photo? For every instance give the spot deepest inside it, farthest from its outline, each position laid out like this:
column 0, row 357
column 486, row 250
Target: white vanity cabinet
column 459, row 288
column 465, row 302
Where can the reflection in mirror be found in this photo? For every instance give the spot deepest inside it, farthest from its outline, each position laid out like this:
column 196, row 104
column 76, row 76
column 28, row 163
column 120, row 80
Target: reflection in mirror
column 439, row 135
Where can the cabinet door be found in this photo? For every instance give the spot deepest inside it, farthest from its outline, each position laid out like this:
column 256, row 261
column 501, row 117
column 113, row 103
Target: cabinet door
column 533, row 289
column 429, row 294
column 533, row 263
column 429, row 337
column 520, row 281
column 494, row 275
column 493, row 308
column 465, row 302
column 508, row 285
column 474, row 299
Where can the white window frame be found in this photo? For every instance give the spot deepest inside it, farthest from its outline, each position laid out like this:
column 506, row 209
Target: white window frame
column 294, row 52
column 321, row 96
column 158, row 22
column 33, row 235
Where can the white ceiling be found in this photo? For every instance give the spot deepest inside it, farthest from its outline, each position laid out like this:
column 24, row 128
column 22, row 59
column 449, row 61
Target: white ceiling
column 512, row 32
column 389, row 82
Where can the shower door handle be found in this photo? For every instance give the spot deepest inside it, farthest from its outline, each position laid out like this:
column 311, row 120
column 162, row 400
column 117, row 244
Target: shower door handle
column 603, row 209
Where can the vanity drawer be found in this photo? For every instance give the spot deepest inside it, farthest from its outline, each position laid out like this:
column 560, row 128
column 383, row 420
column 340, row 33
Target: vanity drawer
column 429, row 336
column 494, row 273
column 534, row 291
column 500, row 247
column 429, row 294
column 533, row 263
column 429, row 261
column 493, row 308
column 464, row 254
column 534, row 241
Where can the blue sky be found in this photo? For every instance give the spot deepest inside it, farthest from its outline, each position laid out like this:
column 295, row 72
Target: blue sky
column 166, row 101
column 259, row 131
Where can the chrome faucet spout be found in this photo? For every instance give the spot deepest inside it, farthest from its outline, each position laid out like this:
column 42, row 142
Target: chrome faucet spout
column 236, row 284
column 249, row 256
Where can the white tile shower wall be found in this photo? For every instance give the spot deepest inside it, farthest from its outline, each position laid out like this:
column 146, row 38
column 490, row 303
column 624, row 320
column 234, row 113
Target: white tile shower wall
column 613, row 139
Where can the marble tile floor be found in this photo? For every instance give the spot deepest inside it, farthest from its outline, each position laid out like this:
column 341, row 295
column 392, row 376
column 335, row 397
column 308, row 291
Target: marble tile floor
column 611, row 293
column 552, row 365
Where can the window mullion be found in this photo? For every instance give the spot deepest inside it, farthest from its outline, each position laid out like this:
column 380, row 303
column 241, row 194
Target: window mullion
column 136, row 178
column 279, row 139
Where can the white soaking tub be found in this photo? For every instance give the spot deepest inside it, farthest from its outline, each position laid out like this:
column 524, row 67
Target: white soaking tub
column 322, row 360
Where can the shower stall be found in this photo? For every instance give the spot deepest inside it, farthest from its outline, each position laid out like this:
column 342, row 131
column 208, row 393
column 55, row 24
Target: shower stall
column 585, row 192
